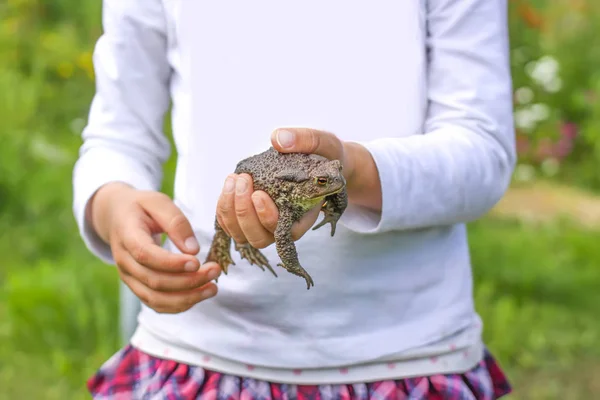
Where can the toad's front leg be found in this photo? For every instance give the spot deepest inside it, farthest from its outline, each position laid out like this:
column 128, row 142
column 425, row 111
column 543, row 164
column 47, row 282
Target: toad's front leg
column 286, row 249
column 333, row 208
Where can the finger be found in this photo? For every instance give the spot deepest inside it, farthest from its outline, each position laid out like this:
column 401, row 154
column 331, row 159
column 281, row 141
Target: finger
column 226, row 211
column 268, row 215
column 305, row 223
column 168, row 282
column 307, row 140
column 254, row 232
column 169, row 302
column 266, row 210
column 145, row 251
column 172, row 221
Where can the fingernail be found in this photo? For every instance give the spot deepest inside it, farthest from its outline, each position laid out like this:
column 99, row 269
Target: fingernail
column 190, row 266
column 192, row 244
column 259, row 204
column 229, row 185
column 240, row 186
column 208, row 293
column 285, row 138
column 213, row 273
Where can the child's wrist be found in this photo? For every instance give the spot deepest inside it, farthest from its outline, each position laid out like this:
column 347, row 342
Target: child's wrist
column 362, row 179
column 99, row 207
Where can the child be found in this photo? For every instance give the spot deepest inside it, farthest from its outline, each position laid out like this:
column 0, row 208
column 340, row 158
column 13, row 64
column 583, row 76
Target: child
column 413, row 97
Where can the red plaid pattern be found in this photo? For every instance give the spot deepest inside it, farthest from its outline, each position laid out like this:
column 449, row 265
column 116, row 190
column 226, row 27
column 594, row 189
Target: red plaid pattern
column 133, row 375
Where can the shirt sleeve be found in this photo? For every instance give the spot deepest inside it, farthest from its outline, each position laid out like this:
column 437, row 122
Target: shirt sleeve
column 462, row 163
column 124, row 139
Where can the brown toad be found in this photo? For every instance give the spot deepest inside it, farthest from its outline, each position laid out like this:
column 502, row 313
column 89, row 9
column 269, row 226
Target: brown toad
column 296, row 182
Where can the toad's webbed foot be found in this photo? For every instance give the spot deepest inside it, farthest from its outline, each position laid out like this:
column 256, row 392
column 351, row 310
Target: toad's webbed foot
column 298, row 271
column 333, row 208
column 254, row 256
column 220, row 249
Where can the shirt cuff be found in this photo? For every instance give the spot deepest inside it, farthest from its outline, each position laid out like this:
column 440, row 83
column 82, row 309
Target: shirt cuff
column 93, row 170
column 364, row 220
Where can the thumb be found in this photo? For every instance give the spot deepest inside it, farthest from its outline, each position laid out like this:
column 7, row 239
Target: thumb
column 307, row 140
column 163, row 211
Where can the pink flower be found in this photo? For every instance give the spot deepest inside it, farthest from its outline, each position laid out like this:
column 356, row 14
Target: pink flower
column 568, row 130
column 564, row 147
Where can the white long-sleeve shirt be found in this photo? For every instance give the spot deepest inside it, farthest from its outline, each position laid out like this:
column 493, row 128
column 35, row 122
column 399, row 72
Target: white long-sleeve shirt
column 424, row 85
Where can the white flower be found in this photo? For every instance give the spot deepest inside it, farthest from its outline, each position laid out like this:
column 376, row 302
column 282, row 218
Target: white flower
column 554, row 85
column 525, row 119
column 545, row 72
column 550, row 167
column 524, row 95
column 524, row 173
column 540, row 112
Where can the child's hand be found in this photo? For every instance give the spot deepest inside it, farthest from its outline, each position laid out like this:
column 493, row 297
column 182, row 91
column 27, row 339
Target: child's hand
column 128, row 219
column 250, row 216
column 362, row 177
column 323, row 143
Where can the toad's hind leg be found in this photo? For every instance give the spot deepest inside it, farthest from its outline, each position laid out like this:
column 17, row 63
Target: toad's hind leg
column 286, row 249
column 220, row 249
column 254, row 256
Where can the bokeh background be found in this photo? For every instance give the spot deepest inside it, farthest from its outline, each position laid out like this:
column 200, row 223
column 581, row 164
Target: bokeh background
column 536, row 255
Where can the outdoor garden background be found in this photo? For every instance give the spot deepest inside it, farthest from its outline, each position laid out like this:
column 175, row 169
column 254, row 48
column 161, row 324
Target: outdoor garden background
column 536, row 256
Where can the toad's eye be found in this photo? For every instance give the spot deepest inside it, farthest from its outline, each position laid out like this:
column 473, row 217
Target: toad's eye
column 321, row 181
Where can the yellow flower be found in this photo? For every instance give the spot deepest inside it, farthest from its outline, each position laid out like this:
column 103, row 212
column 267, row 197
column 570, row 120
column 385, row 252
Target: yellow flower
column 65, row 70
column 85, row 62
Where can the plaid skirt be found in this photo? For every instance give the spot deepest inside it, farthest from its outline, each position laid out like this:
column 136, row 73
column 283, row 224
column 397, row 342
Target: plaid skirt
column 134, row 375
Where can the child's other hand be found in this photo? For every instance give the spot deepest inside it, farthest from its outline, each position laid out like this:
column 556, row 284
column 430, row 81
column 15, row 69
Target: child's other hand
column 250, row 216
column 128, row 220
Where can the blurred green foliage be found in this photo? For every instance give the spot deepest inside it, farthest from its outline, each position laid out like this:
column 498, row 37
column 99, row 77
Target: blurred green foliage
column 554, row 50
column 536, row 286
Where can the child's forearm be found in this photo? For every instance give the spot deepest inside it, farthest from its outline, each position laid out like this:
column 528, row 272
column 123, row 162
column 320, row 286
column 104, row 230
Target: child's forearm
column 364, row 186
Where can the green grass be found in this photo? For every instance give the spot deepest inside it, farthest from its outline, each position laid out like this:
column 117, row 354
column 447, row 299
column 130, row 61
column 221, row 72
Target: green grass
column 536, row 289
